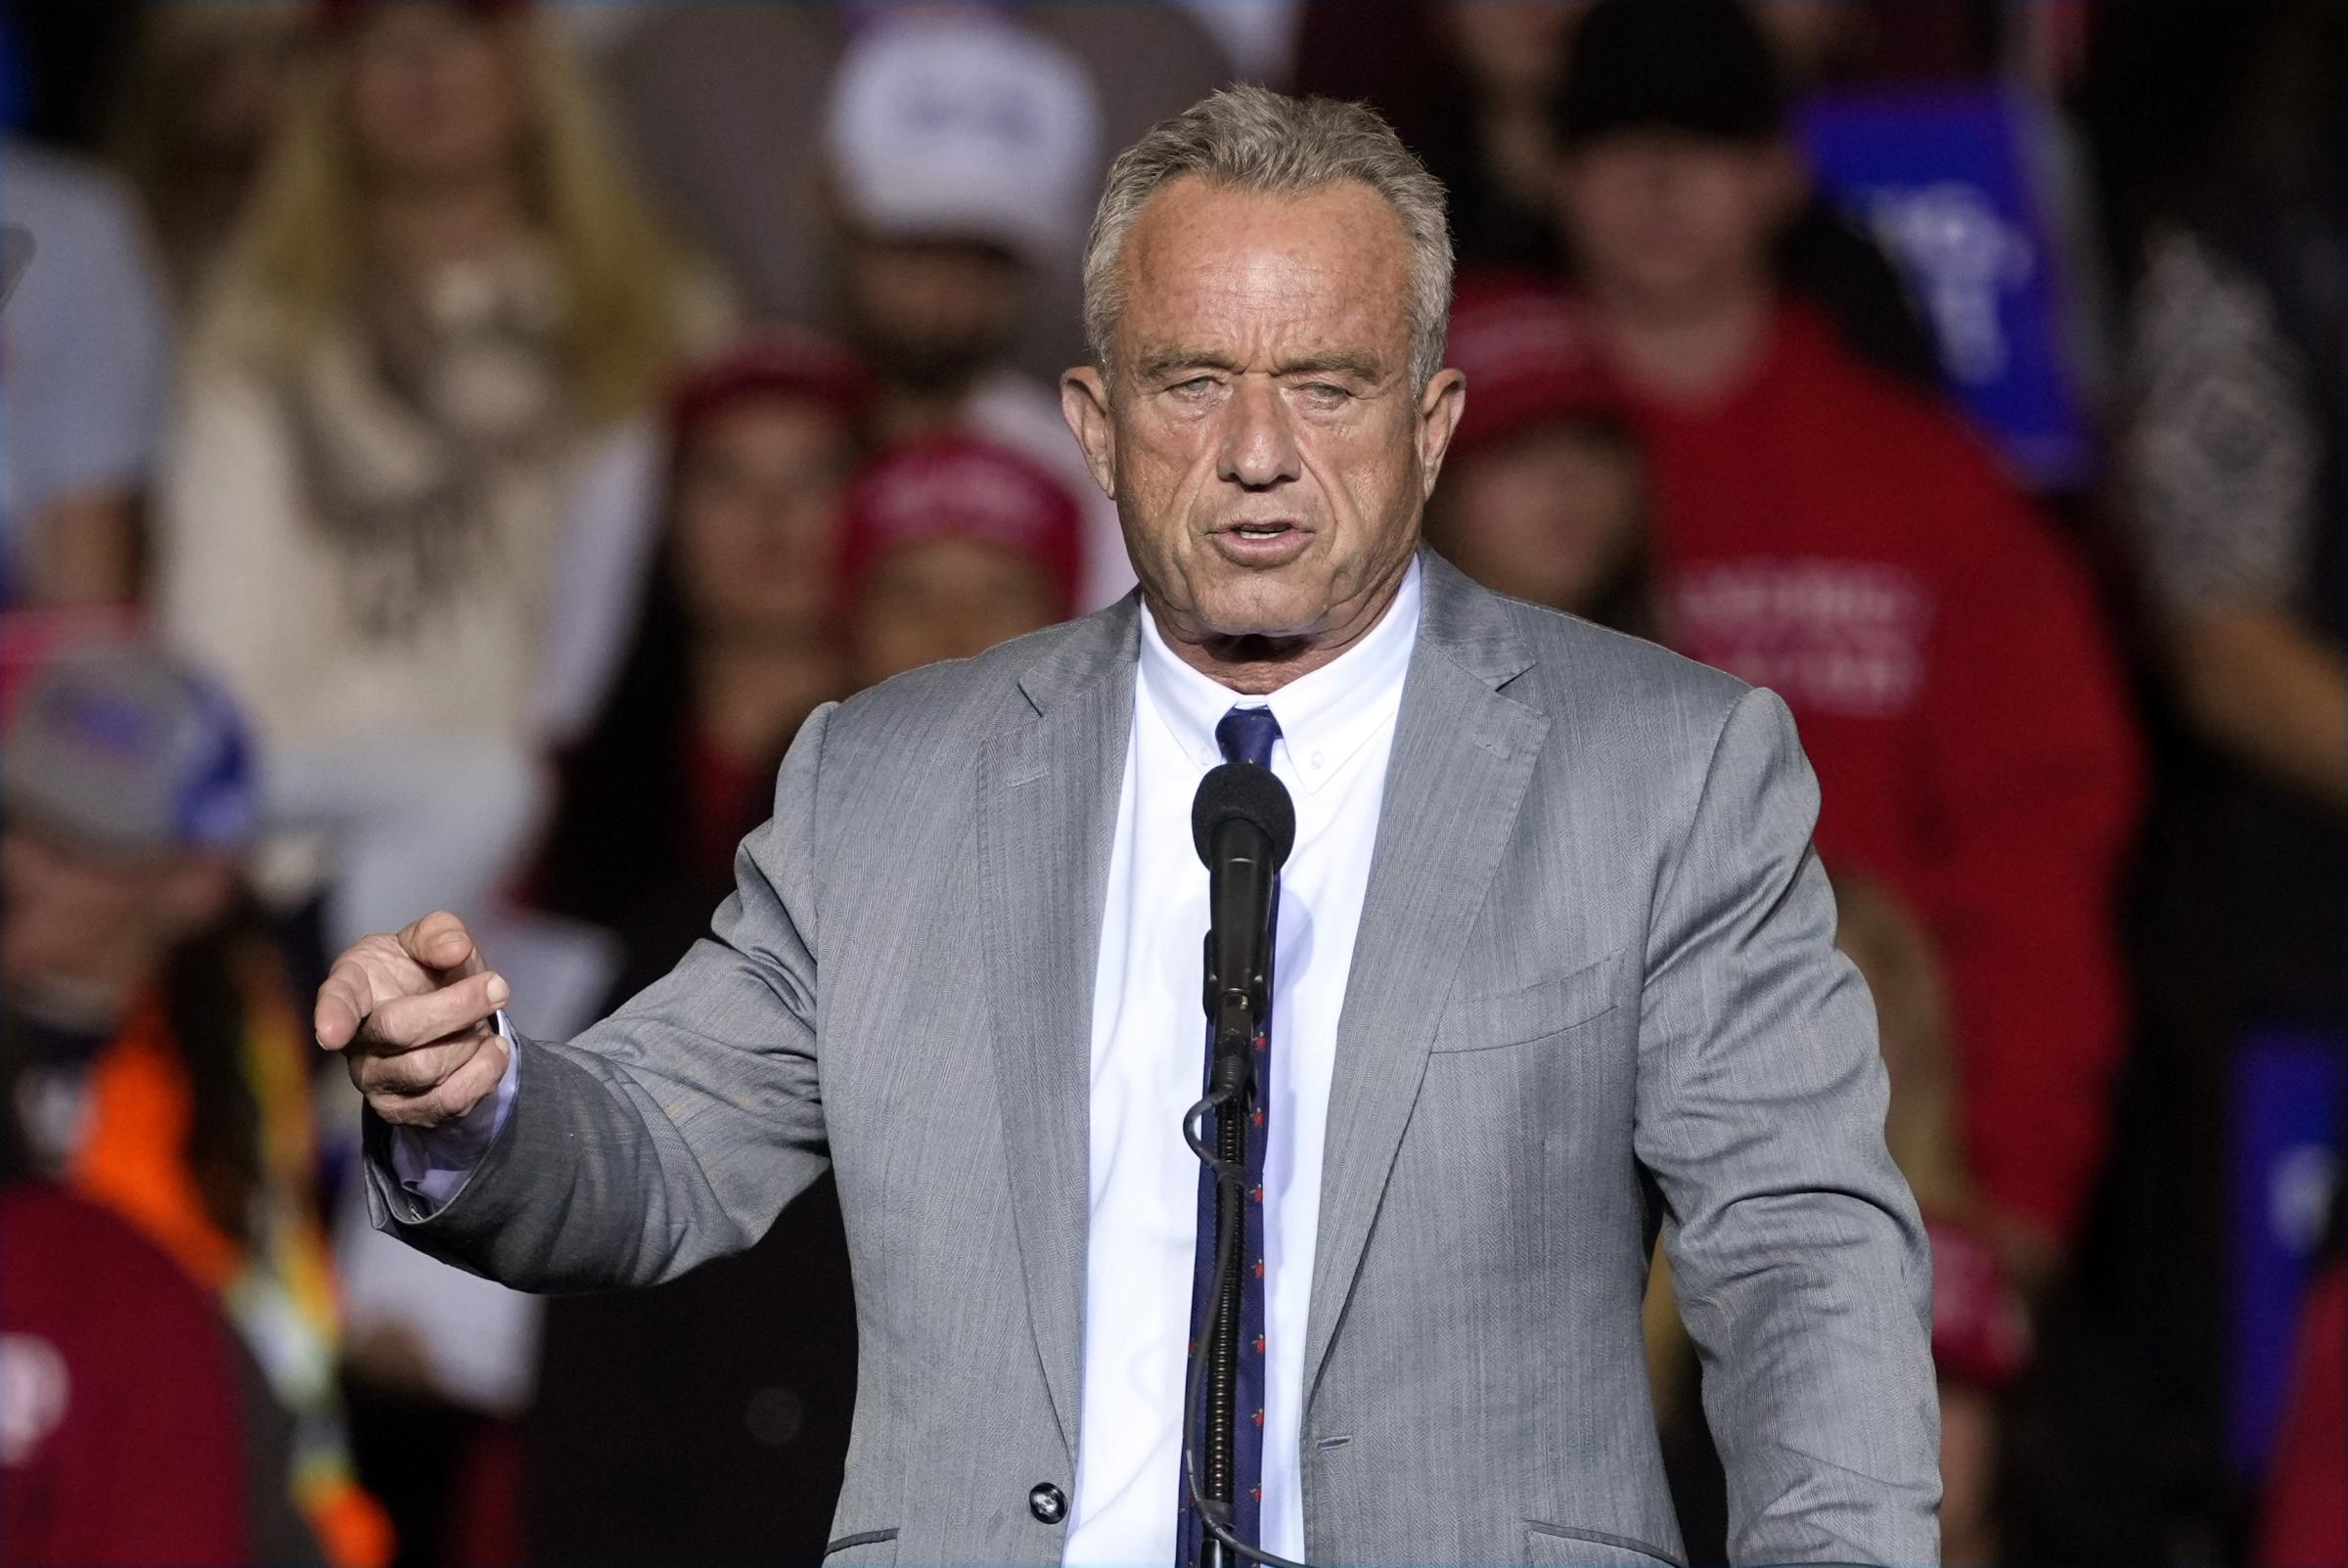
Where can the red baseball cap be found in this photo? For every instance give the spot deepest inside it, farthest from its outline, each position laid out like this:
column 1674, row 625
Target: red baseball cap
column 1533, row 357
column 784, row 364
column 960, row 486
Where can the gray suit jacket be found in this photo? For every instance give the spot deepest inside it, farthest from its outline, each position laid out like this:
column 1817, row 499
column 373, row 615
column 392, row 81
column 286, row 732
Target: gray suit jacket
column 1594, row 988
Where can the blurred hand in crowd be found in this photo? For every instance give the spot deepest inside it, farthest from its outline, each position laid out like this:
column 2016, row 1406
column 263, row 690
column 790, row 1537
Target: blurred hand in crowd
column 413, row 1015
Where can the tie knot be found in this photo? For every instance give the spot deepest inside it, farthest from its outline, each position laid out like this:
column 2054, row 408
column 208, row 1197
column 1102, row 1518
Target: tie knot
column 1246, row 735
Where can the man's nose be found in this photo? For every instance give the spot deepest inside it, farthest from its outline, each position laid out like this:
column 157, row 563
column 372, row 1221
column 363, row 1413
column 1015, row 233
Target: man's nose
column 1258, row 451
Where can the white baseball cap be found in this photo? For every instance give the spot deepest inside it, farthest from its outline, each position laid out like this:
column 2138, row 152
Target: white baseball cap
column 965, row 127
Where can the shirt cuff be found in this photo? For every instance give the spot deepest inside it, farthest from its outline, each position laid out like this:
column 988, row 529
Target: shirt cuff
column 434, row 1163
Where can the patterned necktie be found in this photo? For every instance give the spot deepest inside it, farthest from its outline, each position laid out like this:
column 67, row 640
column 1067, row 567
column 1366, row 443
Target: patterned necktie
column 1246, row 735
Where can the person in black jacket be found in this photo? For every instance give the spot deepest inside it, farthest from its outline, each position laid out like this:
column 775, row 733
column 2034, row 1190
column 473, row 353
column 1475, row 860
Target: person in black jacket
column 705, row 1423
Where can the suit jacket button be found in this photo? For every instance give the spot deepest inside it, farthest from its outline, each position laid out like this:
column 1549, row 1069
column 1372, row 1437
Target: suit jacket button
column 1047, row 1502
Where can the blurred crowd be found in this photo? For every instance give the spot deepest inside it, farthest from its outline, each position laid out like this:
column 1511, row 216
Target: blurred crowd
column 447, row 447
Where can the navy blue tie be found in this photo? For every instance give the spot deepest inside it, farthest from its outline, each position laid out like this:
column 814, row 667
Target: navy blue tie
column 1246, row 735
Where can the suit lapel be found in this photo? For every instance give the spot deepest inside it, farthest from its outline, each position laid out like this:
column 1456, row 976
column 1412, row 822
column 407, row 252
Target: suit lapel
column 1463, row 754
column 1046, row 812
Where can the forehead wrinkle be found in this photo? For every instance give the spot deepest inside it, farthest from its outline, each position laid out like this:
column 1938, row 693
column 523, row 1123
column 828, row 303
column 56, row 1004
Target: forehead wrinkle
column 1201, row 257
column 1331, row 329
column 1342, row 362
column 1157, row 361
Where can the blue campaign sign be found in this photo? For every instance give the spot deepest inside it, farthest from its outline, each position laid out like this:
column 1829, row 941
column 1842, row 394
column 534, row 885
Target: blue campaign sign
column 2290, row 1098
column 1944, row 177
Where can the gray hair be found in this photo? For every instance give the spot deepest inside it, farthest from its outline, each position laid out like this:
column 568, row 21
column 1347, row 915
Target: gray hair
column 1254, row 139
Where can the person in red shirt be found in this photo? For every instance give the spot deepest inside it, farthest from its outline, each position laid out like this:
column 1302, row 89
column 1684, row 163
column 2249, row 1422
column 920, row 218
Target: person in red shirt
column 1833, row 535
column 119, row 1409
column 2303, row 1513
column 149, row 1056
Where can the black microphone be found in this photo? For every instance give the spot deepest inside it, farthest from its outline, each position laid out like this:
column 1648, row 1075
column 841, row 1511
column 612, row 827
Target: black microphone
column 1243, row 825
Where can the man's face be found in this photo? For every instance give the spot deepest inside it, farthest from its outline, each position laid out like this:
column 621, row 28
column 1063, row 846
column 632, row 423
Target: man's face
column 77, row 917
column 1257, row 426
column 929, row 314
column 1665, row 221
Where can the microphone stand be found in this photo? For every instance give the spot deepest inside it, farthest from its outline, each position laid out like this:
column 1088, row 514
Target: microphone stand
column 1231, row 1085
column 1243, row 825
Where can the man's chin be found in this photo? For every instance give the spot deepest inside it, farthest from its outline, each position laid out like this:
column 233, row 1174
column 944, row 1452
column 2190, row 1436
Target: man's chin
column 1258, row 611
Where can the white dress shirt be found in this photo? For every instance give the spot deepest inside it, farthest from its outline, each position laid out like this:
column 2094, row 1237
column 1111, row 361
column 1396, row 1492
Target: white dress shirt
column 1148, row 1060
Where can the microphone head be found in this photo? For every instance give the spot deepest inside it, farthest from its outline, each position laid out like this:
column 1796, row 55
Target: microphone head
column 1242, row 791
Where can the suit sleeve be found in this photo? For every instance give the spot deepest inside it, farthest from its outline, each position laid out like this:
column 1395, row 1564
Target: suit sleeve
column 1802, row 1269
column 674, row 1130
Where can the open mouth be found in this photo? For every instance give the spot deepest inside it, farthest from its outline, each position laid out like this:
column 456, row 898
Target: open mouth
column 1262, row 541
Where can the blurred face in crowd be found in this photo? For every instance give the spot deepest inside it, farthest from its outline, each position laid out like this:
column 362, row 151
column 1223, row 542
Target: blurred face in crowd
column 1664, row 222
column 435, row 97
column 757, row 513
column 1259, row 425
column 83, row 926
column 929, row 314
column 226, row 85
column 1554, row 516
column 1510, row 46
column 946, row 597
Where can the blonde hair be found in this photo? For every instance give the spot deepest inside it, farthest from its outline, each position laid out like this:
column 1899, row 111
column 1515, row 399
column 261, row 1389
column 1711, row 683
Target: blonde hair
column 294, row 264
column 1898, row 959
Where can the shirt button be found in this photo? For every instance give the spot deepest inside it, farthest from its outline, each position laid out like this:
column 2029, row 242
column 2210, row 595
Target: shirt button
column 1047, row 1502
column 1316, row 759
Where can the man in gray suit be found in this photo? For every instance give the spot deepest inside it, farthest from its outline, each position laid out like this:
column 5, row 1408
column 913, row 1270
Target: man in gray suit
column 1556, row 970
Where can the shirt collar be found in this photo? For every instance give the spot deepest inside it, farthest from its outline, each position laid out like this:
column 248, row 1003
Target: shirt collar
column 1325, row 717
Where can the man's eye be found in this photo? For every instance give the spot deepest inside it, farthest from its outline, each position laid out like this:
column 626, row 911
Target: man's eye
column 1327, row 391
column 1194, row 387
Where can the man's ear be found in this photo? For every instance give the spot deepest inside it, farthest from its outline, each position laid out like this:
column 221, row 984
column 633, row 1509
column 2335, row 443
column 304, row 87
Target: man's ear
column 1084, row 404
column 1439, row 409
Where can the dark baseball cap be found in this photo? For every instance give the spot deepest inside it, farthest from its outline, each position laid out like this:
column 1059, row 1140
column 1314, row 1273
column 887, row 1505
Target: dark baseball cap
column 1697, row 67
